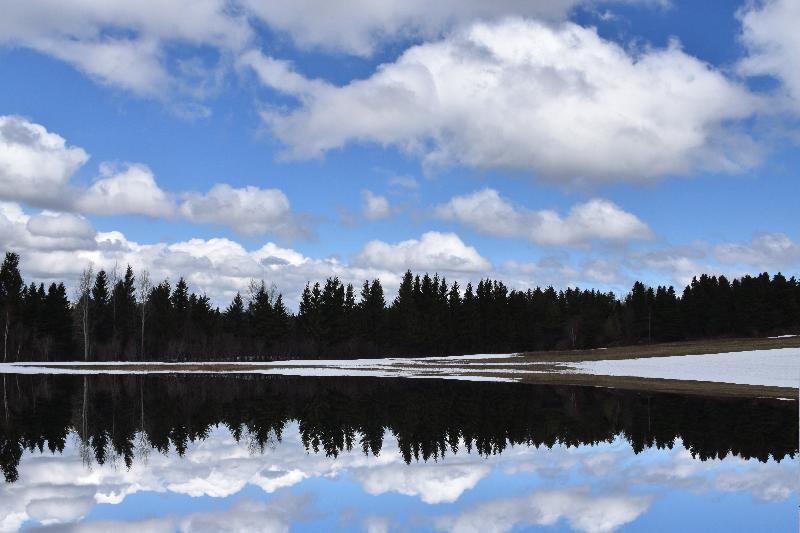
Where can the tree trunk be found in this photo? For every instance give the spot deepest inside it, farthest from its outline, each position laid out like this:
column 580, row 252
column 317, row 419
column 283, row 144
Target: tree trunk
column 5, row 340
column 5, row 398
column 86, row 328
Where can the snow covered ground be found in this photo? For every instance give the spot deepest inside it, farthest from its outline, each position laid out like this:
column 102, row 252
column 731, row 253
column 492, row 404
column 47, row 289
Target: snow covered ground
column 778, row 368
column 424, row 367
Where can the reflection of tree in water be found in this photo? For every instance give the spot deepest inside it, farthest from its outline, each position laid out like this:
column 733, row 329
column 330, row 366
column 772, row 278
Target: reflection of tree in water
column 125, row 417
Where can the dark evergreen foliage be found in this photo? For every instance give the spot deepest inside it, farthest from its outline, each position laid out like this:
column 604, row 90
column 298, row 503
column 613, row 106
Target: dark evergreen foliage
column 428, row 316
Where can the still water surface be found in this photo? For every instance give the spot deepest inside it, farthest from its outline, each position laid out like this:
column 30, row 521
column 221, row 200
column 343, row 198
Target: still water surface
column 274, row 453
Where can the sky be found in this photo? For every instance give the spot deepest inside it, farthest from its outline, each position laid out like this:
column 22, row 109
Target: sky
column 564, row 143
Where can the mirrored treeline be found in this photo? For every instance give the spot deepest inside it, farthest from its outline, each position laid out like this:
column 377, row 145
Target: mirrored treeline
column 115, row 416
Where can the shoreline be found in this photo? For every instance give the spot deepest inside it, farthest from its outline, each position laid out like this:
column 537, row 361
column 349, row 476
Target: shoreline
column 558, row 367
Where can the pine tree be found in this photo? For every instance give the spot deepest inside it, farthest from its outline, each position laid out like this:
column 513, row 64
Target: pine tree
column 102, row 319
column 124, row 314
column 57, row 321
column 234, row 317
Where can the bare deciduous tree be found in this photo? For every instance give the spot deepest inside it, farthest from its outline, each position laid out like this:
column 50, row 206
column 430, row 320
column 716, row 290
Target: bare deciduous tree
column 144, row 295
column 82, row 293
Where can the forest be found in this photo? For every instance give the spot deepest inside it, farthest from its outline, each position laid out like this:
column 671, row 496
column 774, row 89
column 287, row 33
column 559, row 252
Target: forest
column 124, row 316
column 122, row 417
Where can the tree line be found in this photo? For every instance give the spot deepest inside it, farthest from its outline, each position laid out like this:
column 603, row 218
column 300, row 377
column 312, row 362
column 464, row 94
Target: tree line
column 123, row 417
column 115, row 315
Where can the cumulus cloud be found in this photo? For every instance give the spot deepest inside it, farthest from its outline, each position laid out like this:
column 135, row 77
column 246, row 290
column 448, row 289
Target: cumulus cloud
column 584, row 512
column 768, row 251
column 247, row 210
column 44, row 232
column 560, row 271
column 128, row 45
column 374, row 207
column 36, row 167
column 679, row 263
column 432, row 483
column 220, row 267
column 433, row 251
column 557, row 101
column 36, row 164
column 58, row 231
column 765, row 252
column 120, row 43
column 358, row 27
column 769, row 31
column 487, row 212
column 131, row 189
column 274, row 516
column 57, row 246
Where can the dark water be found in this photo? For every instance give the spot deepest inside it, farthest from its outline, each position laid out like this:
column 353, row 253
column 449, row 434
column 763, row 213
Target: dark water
column 273, row 453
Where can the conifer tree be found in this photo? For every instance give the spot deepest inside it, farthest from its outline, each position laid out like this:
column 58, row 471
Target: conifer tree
column 101, row 312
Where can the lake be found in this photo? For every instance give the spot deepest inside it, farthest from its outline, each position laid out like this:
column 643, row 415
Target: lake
column 276, row 453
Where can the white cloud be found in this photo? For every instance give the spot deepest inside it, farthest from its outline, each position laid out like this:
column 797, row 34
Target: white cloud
column 679, row 263
column 487, row 212
column 57, row 246
column 584, row 512
column 274, row 516
column 123, row 43
column 769, row 31
column 556, row 101
column 376, row 524
column 434, row 251
column 374, row 207
column 132, row 64
column 767, row 251
column 357, row 27
column 62, row 508
column 248, row 210
column 46, row 232
column 36, row 167
column 432, row 483
column 58, row 231
column 559, row 271
column 152, row 525
column 131, row 189
column 127, row 44
column 36, row 164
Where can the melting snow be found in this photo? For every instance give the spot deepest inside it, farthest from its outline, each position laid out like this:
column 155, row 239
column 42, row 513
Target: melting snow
column 778, row 368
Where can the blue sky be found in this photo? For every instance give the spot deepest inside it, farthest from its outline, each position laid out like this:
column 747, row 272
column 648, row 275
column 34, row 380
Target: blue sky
column 565, row 143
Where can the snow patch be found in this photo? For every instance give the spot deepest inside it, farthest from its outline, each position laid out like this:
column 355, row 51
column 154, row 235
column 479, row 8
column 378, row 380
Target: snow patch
column 776, row 368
